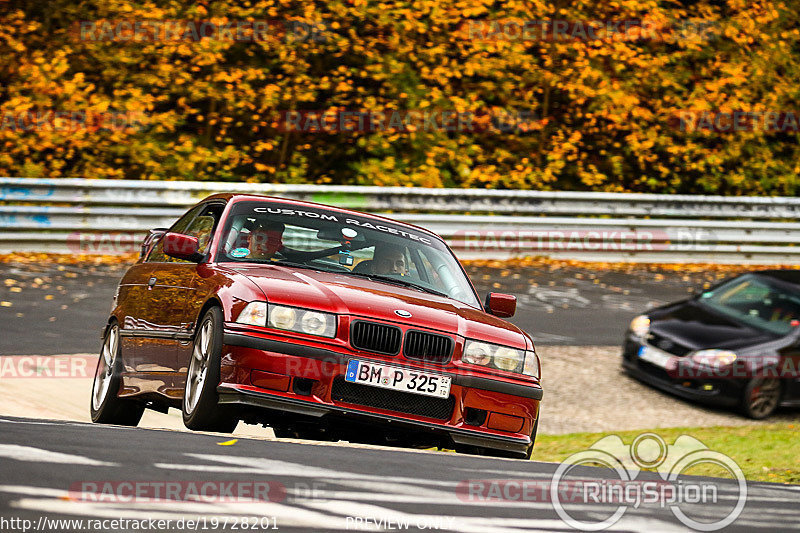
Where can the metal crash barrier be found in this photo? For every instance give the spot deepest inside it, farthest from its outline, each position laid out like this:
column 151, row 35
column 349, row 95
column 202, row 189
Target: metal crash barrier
column 112, row 216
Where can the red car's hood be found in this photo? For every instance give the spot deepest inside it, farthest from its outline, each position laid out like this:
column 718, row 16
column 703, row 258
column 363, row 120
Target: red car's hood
column 344, row 294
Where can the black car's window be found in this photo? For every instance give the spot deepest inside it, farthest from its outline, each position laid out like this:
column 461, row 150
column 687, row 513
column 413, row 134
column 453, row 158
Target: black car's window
column 199, row 222
column 758, row 302
column 259, row 232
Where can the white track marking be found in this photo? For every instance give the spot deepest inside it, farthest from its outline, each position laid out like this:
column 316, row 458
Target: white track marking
column 54, row 501
column 275, row 467
column 243, row 465
column 481, row 524
column 38, row 455
column 33, row 491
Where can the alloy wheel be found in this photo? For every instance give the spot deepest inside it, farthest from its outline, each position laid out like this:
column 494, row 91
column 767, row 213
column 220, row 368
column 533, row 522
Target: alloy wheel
column 198, row 368
column 105, row 368
column 764, row 397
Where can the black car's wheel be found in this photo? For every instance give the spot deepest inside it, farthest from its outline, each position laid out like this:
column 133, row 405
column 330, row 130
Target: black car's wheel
column 200, row 406
column 761, row 397
column 106, row 407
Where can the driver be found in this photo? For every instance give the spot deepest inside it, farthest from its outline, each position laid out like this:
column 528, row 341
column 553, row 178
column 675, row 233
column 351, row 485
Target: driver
column 266, row 239
column 389, row 260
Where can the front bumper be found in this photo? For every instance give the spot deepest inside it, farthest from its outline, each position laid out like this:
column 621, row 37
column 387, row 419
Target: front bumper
column 718, row 392
column 300, row 378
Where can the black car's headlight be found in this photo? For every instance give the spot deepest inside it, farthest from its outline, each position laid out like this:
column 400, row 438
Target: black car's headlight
column 308, row 321
column 714, row 358
column 640, row 326
column 501, row 357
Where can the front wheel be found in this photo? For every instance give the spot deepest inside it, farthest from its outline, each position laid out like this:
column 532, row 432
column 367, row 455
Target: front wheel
column 106, row 407
column 761, row 397
column 201, row 409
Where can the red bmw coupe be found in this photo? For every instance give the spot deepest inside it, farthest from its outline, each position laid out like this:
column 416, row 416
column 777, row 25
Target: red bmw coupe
column 320, row 322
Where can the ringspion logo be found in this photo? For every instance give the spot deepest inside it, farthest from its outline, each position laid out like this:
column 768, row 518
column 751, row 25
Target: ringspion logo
column 649, row 451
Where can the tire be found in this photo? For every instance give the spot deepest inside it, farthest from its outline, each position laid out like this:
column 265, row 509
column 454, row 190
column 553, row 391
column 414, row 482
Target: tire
column 200, row 405
column 105, row 406
column 761, row 397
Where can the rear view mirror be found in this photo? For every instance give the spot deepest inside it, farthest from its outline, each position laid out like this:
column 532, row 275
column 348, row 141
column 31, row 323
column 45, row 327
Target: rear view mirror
column 502, row 305
column 181, row 246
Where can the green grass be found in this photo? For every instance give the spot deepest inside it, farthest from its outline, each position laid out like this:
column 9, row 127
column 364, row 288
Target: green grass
column 764, row 453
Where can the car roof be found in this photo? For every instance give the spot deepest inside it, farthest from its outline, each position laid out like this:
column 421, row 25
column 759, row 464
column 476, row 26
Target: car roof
column 786, row 275
column 229, row 196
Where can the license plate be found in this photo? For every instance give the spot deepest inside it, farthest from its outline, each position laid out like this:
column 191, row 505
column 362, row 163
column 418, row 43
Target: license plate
column 396, row 378
column 654, row 356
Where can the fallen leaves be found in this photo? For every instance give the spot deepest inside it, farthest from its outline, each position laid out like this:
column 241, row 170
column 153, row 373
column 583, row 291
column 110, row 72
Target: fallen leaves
column 62, row 260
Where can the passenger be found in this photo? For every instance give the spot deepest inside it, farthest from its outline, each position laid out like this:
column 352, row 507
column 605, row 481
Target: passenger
column 389, row 260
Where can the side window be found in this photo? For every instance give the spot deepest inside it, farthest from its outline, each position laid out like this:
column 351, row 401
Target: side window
column 204, row 224
column 200, row 222
column 434, row 275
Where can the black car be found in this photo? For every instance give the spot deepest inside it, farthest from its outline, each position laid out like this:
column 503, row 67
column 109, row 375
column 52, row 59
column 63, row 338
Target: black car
column 736, row 344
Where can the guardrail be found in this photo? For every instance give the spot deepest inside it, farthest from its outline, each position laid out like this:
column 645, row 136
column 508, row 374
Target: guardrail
column 111, row 216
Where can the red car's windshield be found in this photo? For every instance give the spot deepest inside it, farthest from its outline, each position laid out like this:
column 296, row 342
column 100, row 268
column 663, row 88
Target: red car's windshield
column 305, row 237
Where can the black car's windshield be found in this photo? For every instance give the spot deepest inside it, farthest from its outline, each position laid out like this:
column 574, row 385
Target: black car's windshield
column 272, row 232
column 758, row 301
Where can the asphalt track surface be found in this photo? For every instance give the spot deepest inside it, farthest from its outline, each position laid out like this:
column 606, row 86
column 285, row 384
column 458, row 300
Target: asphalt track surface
column 60, row 309
column 45, row 465
column 314, row 487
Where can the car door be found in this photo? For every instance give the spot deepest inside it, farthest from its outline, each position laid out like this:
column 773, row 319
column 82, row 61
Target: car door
column 173, row 306
column 131, row 300
column 146, row 355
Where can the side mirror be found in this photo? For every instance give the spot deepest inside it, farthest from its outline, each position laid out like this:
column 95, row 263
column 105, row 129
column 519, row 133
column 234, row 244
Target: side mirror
column 151, row 239
column 502, row 305
column 181, row 246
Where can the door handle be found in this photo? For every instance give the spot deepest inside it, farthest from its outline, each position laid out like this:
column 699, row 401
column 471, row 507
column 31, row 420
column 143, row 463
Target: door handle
column 151, row 282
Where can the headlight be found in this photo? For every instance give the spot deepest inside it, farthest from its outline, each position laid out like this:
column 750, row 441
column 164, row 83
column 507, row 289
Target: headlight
column 531, row 367
column 640, row 325
column 507, row 359
column 714, row 358
column 255, row 314
column 313, row 323
column 477, row 353
column 289, row 318
column 302, row 320
column 492, row 355
column 282, row 317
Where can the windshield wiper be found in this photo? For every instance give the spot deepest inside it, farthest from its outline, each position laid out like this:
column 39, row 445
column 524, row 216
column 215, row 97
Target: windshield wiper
column 401, row 282
column 292, row 264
